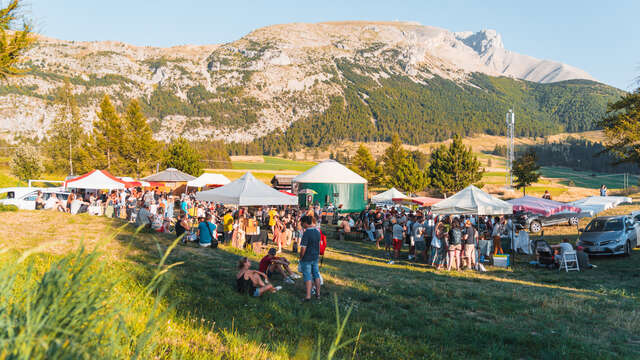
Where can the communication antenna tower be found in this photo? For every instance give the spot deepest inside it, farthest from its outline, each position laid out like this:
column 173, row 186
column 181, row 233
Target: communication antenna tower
column 511, row 124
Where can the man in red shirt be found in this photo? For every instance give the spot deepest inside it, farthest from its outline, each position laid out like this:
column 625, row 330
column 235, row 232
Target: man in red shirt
column 270, row 264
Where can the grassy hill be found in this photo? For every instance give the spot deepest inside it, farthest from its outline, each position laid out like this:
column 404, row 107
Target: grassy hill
column 401, row 311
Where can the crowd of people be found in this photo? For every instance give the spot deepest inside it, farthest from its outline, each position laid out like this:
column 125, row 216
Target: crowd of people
column 444, row 242
column 454, row 242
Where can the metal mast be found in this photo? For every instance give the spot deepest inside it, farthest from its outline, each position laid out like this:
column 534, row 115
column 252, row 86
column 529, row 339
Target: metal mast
column 511, row 124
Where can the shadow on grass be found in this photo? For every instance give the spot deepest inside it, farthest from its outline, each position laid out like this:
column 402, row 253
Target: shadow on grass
column 409, row 311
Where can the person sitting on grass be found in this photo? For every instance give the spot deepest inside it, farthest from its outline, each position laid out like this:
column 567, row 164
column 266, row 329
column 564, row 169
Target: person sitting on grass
column 345, row 228
column 270, row 264
column 144, row 217
column 254, row 283
column 183, row 226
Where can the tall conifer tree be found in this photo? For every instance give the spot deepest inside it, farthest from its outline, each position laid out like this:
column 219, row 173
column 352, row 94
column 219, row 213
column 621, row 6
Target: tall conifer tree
column 454, row 167
column 139, row 149
column 108, row 132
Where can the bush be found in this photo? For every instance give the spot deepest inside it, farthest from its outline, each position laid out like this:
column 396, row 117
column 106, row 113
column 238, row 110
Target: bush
column 26, row 163
column 8, row 208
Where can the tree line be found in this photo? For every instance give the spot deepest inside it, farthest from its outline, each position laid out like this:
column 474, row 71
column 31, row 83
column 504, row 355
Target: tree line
column 580, row 155
column 449, row 169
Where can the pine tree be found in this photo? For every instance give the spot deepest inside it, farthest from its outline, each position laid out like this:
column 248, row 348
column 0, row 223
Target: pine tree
column 365, row 165
column 108, row 132
column 454, row 167
column 182, row 156
column 409, row 177
column 15, row 40
column 525, row 170
column 393, row 157
column 66, row 133
column 622, row 128
column 139, row 149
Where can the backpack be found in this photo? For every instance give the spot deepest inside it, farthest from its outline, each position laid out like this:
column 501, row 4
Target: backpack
column 323, row 242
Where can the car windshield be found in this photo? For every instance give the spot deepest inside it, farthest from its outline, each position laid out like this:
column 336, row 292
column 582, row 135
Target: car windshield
column 601, row 225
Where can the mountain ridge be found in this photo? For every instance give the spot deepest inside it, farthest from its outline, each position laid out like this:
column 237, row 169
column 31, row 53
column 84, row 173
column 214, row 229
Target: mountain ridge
column 265, row 81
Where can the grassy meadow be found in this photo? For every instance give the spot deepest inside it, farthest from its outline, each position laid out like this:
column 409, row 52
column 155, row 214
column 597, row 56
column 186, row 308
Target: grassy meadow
column 401, row 311
column 274, row 163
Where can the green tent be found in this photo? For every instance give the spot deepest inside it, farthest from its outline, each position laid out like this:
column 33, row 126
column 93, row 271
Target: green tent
column 332, row 183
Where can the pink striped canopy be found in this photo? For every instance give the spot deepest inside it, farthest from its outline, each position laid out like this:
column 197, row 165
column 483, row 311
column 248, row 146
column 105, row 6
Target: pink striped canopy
column 541, row 206
column 420, row 200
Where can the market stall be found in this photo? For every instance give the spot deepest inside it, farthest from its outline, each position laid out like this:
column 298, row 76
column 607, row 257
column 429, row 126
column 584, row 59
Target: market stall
column 173, row 179
column 388, row 197
column 424, row 201
column 247, row 191
column 98, row 180
column 472, row 201
column 208, row 180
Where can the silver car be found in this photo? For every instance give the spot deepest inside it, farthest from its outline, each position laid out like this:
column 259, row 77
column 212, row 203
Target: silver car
column 609, row 235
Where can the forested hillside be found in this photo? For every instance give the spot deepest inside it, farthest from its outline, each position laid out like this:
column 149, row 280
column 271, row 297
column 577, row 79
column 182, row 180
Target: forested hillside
column 436, row 109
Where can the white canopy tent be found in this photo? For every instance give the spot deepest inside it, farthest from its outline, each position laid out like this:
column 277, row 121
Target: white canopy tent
column 472, row 201
column 595, row 204
column 207, row 179
column 386, row 198
column 247, row 191
column 96, row 179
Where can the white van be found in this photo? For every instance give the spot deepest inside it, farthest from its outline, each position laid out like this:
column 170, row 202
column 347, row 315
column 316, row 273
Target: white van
column 25, row 197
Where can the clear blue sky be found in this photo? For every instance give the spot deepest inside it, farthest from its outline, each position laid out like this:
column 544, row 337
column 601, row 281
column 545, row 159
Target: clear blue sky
column 601, row 37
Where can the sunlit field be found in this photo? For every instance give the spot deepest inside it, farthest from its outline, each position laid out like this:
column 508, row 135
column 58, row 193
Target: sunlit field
column 401, row 311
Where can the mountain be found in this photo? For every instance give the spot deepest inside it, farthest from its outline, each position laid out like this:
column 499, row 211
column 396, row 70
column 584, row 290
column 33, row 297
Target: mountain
column 353, row 80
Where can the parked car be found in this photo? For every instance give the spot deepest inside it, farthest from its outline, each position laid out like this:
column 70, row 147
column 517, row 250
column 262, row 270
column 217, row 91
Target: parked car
column 535, row 222
column 25, row 197
column 609, row 235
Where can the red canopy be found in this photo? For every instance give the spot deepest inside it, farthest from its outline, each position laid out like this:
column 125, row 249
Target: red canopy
column 287, row 193
column 420, row 200
column 98, row 179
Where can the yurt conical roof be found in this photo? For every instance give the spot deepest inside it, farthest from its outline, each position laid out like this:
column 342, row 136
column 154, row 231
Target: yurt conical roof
column 329, row 172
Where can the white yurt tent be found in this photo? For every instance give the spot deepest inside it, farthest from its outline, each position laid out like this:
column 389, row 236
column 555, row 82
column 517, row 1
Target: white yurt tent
column 472, row 201
column 333, row 183
column 386, row 198
column 247, row 191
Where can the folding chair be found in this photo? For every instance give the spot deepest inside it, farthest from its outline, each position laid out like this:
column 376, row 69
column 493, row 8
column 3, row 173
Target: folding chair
column 569, row 261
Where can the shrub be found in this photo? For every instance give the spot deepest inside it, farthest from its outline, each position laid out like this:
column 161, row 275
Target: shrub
column 8, row 208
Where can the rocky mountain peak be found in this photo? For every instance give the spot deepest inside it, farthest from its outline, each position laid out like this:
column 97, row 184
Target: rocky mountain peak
column 481, row 41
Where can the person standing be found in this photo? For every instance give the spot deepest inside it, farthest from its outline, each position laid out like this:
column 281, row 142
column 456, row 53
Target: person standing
column 309, row 254
column 470, row 241
column 227, row 221
column 398, row 238
column 603, row 190
column 455, row 245
column 420, row 245
column 498, row 229
column 206, row 232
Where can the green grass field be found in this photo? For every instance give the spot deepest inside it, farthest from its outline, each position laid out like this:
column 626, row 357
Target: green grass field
column 587, row 179
column 274, row 163
column 402, row 311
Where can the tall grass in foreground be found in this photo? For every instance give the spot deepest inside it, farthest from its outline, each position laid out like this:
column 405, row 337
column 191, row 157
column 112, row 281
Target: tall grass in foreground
column 71, row 311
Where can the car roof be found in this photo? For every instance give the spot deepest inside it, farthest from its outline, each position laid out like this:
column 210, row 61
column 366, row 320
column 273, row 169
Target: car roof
column 611, row 217
column 25, row 190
